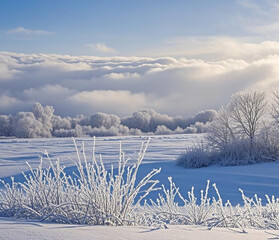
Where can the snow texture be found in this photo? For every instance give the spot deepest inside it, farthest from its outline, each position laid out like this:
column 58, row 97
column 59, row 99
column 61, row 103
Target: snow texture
column 30, row 230
column 162, row 152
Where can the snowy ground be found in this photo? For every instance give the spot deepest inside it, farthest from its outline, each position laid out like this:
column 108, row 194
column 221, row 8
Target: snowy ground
column 25, row 230
column 162, row 151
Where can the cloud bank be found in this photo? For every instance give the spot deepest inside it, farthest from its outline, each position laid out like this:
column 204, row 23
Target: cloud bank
column 122, row 85
column 100, row 47
column 22, row 30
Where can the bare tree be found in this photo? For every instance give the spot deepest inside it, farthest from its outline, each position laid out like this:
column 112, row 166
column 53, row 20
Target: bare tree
column 247, row 110
column 220, row 131
column 275, row 106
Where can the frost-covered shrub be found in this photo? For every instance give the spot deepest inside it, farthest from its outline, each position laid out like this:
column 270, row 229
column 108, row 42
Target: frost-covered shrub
column 135, row 131
column 269, row 142
column 161, row 129
column 166, row 210
column 119, row 130
column 91, row 195
column 190, row 129
column 236, row 153
column 201, row 127
column 76, row 132
column 233, row 154
column 195, row 157
column 212, row 212
column 102, row 131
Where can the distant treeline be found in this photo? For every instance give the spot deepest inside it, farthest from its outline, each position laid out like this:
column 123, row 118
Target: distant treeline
column 42, row 122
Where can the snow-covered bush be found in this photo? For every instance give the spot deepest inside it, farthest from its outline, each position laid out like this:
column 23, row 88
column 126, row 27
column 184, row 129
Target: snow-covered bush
column 195, row 157
column 166, row 209
column 190, row 129
column 235, row 153
column 161, row 130
column 212, row 212
column 76, row 132
column 91, row 195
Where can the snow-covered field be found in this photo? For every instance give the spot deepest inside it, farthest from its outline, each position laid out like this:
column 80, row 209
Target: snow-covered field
column 25, row 230
column 258, row 179
column 162, row 151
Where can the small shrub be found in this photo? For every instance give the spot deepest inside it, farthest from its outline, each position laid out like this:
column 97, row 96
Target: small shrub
column 195, row 157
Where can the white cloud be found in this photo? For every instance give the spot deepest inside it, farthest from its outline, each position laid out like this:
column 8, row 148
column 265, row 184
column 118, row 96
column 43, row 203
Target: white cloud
column 122, row 75
column 260, row 18
column 251, row 5
column 266, row 29
column 7, row 102
column 47, row 93
column 120, row 102
column 121, row 85
column 100, row 47
column 214, row 48
column 22, row 30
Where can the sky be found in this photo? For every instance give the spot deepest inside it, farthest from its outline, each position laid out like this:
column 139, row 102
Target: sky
column 177, row 57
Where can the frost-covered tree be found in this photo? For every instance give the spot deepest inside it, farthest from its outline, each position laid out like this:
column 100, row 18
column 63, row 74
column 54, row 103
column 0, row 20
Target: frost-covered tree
column 148, row 120
column 247, row 110
column 220, row 132
column 6, row 125
column 162, row 129
column 44, row 115
column 205, row 116
column 60, row 123
column 275, row 106
column 140, row 120
column 98, row 120
column 25, row 125
column 33, row 124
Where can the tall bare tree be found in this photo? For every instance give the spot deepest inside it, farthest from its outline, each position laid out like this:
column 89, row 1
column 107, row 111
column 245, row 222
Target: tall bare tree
column 247, row 110
column 220, row 132
column 275, row 106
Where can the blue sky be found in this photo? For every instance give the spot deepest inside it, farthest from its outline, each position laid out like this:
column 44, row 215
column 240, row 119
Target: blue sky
column 177, row 57
column 128, row 28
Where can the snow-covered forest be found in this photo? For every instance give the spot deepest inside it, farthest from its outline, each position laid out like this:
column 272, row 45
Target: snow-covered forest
column 93, row 193
column 41, row 122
